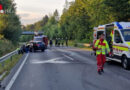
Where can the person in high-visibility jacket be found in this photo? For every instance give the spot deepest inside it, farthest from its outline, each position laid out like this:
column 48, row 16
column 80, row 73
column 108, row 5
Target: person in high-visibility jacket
column 111, row 43
column 101, row 46
column 112, row 35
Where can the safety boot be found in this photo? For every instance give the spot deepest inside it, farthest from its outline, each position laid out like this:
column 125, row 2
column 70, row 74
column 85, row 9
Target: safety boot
column 99, row 72
column 102, row 70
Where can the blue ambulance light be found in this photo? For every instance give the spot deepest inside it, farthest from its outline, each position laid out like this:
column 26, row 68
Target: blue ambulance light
column 118, row 25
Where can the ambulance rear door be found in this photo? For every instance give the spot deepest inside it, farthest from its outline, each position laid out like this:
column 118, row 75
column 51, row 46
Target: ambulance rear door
column 109, row 29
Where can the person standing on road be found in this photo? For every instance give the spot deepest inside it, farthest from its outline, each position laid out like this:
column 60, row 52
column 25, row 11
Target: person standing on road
column 56, row 42
column 62, row 42
column 59, row 42
column 66, row 42
column 51, row 43
column 101, row 46
column 27, row 48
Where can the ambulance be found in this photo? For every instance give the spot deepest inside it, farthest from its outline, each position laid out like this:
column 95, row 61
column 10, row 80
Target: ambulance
column 117, row 35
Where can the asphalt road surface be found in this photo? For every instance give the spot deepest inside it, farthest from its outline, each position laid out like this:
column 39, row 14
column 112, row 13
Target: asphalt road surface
column 69, row 69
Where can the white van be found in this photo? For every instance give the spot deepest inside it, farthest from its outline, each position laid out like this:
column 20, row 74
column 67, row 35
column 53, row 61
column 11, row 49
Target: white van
column 118, row 37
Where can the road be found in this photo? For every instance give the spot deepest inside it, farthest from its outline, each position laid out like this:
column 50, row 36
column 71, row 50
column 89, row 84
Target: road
column 69, row 69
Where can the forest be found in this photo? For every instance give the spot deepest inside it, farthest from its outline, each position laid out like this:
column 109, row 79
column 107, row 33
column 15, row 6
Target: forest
column 10, row 27
column 80, row 17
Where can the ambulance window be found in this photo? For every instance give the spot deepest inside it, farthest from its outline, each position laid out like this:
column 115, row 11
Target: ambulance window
column 117, row 37
column 99, row 33
column 126, row 34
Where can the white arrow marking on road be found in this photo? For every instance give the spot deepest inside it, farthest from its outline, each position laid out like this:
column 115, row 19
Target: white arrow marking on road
column 68, row 57
column 55, row 60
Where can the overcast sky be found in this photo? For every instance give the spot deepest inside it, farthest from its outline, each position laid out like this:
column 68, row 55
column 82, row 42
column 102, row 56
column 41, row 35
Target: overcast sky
column 31, row 11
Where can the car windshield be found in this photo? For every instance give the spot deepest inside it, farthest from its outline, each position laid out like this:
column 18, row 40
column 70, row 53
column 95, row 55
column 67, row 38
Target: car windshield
column 39, row 43
column 126, row 34
column 37, row 39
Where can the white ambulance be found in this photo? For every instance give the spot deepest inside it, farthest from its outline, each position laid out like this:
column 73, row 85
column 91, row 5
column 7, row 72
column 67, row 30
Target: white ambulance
column 118, row 37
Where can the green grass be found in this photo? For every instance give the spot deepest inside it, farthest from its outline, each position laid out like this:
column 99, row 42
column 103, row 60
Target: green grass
column 75, row 44
column 71, row 43
column 9, row 64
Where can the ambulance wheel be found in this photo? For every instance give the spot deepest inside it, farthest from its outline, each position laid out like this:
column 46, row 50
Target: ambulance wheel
column 125, row 62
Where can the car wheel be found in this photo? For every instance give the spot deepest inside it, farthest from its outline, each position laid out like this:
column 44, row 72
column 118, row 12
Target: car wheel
column 125, row 63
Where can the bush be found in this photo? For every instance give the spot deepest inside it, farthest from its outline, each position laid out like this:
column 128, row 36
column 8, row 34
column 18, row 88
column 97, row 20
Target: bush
column 5, row 47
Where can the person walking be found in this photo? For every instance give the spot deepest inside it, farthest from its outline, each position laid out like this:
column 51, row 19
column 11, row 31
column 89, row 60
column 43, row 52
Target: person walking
column 101, row 46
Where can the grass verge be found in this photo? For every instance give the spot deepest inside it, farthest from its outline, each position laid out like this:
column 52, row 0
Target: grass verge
column 81, row 45
column 7, row 65
column 6, row 46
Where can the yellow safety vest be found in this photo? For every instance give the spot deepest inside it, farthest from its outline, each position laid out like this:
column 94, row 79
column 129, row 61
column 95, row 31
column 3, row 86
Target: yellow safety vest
column 112, row 36
column 102, row 48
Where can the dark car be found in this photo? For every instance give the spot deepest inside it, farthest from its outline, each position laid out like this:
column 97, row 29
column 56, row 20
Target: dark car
column 37, row 46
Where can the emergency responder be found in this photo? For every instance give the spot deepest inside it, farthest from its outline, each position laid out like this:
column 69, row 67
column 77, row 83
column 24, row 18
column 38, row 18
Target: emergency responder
column 101, row 46
column 51, row 43
column 62, row 42
column 111, row 43
column 27, row 47
column 18, row 50
column 59, row 42
column 112, row 35
column 66, row 42
column 56, row 42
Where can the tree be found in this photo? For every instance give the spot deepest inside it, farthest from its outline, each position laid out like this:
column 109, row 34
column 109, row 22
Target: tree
column 10, row 26
column 80, row 16
column 75, row 22
column 51, row 28
column 119, row 8
column 56, row 15
column 38, row 26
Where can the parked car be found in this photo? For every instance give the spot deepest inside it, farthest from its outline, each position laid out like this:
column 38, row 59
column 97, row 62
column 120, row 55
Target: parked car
column 37, row 46
column 41, row 38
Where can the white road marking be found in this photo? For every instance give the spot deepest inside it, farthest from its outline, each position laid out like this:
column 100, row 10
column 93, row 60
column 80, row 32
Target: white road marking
column 8, row 87
column 70, row 52
column 74, row 54
column 55, row 60
column 68, row 57
column 45, row 61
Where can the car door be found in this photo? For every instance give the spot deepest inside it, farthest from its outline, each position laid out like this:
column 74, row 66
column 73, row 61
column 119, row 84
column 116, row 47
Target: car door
column 118, row 43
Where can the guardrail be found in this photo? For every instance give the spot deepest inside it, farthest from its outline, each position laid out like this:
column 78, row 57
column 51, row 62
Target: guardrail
column 7, row 56
column 3, row 59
